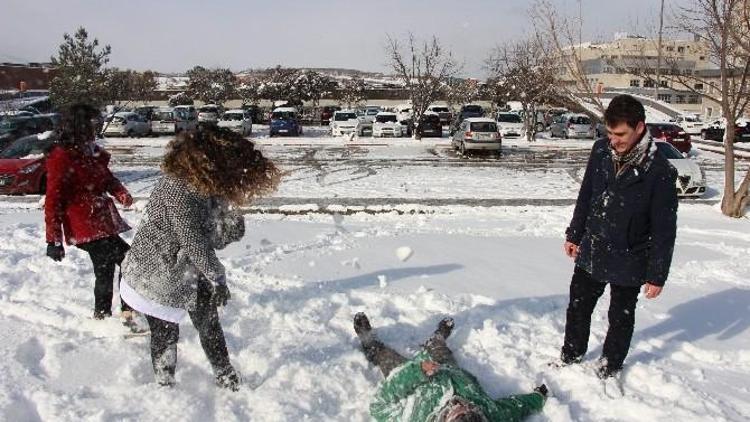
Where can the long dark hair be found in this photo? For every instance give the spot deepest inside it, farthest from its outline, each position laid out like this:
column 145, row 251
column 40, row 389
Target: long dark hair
column 78, row 125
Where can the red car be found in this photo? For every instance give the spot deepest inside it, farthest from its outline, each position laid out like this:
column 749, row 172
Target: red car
column 22, row 166
column 672, row 134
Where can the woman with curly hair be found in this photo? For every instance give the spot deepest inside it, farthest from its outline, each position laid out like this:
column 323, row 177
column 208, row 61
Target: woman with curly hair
column 79, row 207
column 172, row 269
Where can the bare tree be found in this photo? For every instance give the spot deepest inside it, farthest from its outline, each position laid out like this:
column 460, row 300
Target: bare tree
column 424, row 68
column 461, row 91
column 563, row 35
column 524, row 71
column 352, row 92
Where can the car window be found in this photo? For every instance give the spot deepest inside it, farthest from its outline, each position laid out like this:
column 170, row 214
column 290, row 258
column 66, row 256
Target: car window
column 580, row 120
column 483, row 127
column 440, row 109
column 385, row 118
column 509, row 118
column 163, row 115
column 473, row 108
column 25, row 147
column 232, row 117
column 342, row 117
column 669, row 151
column 282, row 115
column 431, row 118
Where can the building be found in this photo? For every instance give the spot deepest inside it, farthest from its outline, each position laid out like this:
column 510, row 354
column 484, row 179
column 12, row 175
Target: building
column 629, row 64
column 25, row 76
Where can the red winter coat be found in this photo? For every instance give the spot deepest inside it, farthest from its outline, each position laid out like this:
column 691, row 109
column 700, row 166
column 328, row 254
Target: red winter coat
column 78, row 181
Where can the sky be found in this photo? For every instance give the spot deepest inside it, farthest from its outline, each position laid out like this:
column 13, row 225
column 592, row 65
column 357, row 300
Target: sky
column 173, row 36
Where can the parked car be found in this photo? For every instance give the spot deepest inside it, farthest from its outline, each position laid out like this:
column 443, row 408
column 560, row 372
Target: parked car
column 671, row 133
column 190, row 113
column 477, row 134
column 572, row 126
column 326, row 113
column 715, row 131
column 237, row 120
column 470, row 110
column 126, row 123
column 691, row 124
column 344, row 122
column 209, row 113
column 254, row 111
column 509, row 124
column 386, row 125
column 285, row 121
column 445, row 114
column 22, row 165
column 429, row 125
column 18, row 127
column 691, row 179
column 404, row 114
column 146, row 111
column 167, row 121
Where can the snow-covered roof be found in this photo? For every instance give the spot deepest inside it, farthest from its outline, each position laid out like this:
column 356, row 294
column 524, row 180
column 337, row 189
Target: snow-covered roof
column 479, row 120
column 385, row 113
column 235, row 110
column 285, row 109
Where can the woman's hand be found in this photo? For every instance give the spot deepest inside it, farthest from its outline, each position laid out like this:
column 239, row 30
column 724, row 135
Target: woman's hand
column 125, row 199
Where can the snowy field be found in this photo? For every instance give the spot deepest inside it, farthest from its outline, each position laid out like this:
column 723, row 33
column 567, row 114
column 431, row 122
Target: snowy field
column 297, row 281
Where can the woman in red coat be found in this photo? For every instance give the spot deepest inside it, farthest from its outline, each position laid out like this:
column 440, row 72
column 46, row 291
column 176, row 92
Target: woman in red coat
column 78, row 205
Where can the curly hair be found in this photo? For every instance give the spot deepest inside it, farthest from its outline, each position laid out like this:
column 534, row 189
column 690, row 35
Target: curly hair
column 218, row 162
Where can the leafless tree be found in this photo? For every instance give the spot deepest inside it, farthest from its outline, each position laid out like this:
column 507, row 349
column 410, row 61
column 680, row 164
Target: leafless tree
column 424, row 68
column 563, row 35
column 461, row 91
column 352, row 92
column 524, row 71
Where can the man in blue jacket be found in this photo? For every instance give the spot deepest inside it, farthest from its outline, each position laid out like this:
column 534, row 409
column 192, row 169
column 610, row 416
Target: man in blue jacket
column 622, row 233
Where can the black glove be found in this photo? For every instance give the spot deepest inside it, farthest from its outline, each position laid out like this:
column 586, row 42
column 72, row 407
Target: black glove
column 56, row 252
column 221, row 294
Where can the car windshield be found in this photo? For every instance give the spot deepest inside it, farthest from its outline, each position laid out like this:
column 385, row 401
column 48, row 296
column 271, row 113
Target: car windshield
column 473, row 109
column 431, row 118
column 282, row 115
column 387, row 118
column 440, row 109
column 25, row 147
column 163, row 115
column 118, row 119
column 208, row 110
column 231, row 116
column 663, row 128
column 509, row 118
column 483, row 127
column 580, row 120
column 342, row 117
column 372, row 111
column 669, row 151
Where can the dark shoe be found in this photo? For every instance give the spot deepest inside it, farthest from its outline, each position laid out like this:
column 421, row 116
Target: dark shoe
column 542, row 389
column 229, row 379
column 362, row 324
column 445, row 327
column 604, row 371
column 566, row 360
column 102, row 314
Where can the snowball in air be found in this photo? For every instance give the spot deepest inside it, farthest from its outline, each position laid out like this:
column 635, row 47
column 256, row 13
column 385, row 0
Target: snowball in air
column 404, row 253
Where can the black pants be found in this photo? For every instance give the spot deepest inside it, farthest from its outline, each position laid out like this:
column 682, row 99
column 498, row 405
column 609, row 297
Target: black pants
column 105, row 254
column 164, row 336
column 584, row 293
column 388, row 359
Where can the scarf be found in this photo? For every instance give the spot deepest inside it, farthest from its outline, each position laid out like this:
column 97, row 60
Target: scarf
column 640, row 155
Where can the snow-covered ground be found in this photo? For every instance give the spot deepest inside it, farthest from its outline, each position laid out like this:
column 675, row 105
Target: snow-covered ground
column 297, row 281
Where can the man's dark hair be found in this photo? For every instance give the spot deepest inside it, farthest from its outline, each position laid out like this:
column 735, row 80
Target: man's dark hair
column 624, row 109
column 470, row 417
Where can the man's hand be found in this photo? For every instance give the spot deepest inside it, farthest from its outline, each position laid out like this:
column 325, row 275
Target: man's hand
column 430, row 368
column 651, row 291
column 570, row 249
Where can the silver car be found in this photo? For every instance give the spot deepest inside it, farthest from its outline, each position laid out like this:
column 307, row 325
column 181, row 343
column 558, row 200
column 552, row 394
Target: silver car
column 477, row 134
column 571, row 126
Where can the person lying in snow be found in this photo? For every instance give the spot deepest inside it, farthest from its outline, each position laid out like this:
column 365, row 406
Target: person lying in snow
column 172, row 269
column 431, row 387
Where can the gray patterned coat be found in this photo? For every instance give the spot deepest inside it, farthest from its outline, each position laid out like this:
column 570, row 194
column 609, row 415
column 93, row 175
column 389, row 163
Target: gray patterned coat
column 175, row 243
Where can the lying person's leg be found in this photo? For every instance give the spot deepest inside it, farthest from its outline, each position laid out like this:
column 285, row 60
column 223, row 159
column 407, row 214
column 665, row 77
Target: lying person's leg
column 436, row 345
column 376, row 352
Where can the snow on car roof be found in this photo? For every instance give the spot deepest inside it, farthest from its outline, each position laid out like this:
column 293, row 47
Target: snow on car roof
column 479, row 119
column 343, row 111
column 285, row 109
column 385, row 113
column 430, row 113
column 235, row 110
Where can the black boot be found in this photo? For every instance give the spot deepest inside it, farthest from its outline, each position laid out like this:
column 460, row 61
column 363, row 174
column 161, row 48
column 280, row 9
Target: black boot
column 542, row 389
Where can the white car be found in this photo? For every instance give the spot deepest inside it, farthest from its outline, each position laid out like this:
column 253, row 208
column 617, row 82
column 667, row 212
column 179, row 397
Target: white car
column 446, row 116
column 690, row 124
column 477, row 134
column 405, row 114
column 572, row 126
column 209, row 113
column 344, row 122
column 237, row 120
column 509, row 125
column 167, row 121
column 386, row 125
column 691, row 179
column 126, row 123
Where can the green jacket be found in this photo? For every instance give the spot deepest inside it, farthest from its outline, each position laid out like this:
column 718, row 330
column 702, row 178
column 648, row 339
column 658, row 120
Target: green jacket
column 410, row 395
